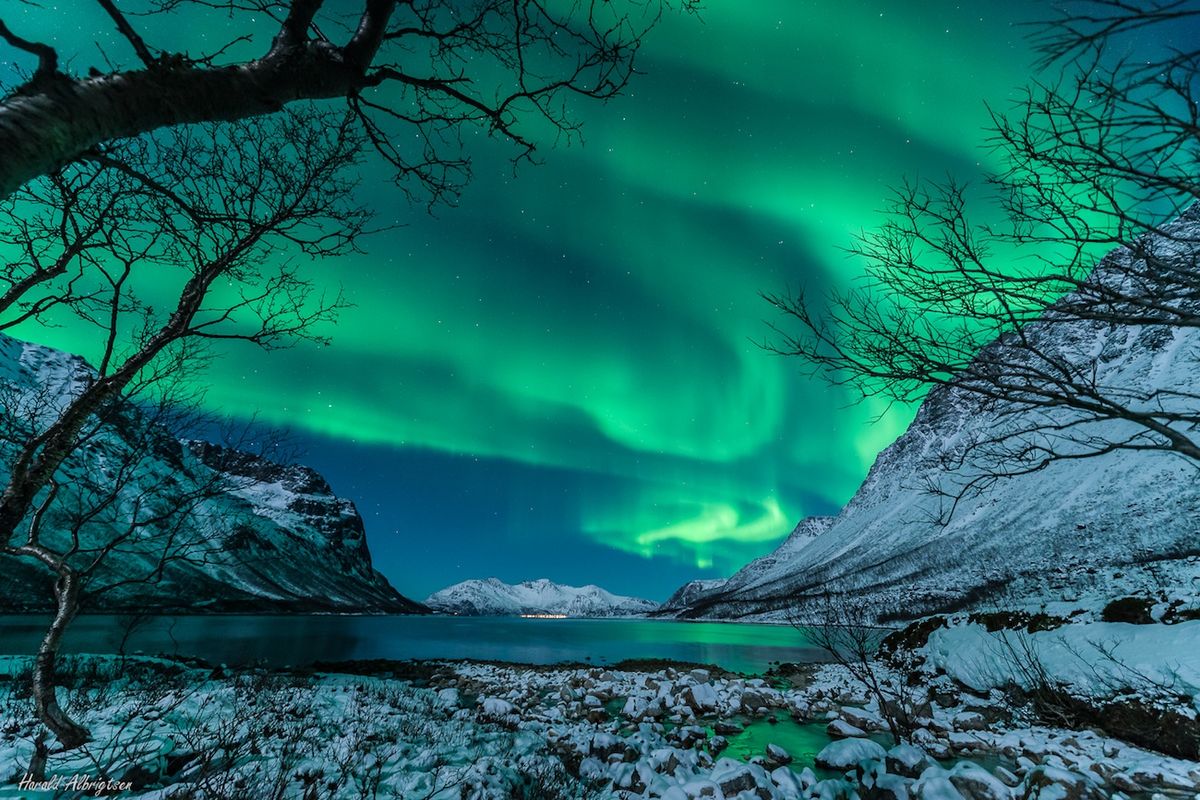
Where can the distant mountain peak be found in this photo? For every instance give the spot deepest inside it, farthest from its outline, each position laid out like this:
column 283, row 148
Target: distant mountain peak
column 493, row 597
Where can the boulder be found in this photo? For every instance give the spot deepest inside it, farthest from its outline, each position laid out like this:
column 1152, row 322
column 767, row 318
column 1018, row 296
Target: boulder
column 849, row 753
column 891, row 787
column 734, row 778
column 690, row 736
column 907, row 760
column 840, row 729
column 969, row 721
column 777, row 756
column 591, row 769
column 1123, row 782
column 976, row 783
column 604, row 745
column 788, row 782
column 701, row 697
column 495, row 708
column 863, row 719
column 753, row 701
column 936, row 787
column 834, row 789
column 1045, row 782
column 1009, row 778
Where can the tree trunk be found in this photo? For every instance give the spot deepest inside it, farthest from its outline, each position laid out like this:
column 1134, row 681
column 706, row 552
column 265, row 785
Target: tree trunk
column 70, row 734
column 37, row 762
column 55, row 119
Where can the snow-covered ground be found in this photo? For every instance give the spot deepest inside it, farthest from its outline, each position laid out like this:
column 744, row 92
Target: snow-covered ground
column 482, row 730
column 168, row 730
column 1096, row 658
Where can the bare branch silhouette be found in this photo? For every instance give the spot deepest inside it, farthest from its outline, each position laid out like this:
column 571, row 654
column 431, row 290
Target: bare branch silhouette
column 77, row 488
column 414, row 74
column 1099, row 241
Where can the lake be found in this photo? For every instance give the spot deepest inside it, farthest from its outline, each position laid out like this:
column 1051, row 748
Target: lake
column 297, row 640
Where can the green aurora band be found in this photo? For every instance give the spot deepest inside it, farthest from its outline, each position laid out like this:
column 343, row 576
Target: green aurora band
column 600, row 313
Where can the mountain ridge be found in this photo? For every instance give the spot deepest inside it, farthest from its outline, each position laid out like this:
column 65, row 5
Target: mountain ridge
column 272, row 537
column 1110, row 524
column 493, row 597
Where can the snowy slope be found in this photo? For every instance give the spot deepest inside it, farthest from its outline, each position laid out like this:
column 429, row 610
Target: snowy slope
column 493, row 597
column 272, row 537
column 691, row 593
column 1101, row 526
column 783, row 557
column 1092, row 657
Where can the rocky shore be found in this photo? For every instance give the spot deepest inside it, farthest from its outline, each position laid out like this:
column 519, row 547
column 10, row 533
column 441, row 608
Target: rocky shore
column 663, row 734
column 443, row 730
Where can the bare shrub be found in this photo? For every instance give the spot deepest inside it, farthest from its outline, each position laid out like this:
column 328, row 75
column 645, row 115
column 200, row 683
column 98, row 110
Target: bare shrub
column 845, row 630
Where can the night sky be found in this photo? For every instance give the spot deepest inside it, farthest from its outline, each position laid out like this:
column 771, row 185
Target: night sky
column 560, row 377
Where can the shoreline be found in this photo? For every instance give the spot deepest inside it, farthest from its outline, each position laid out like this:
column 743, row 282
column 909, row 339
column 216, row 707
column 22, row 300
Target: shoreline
column 641, row 727
column 158, row 613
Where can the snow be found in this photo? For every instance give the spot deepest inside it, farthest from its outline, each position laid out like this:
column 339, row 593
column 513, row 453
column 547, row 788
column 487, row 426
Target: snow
column 1095, row 658
column 936, row 787
column 1068, row 534
column 492, row 597
column 308, row 546
column 844, row 729
column 481, row 731
column 849, row 753
column 693, row 591
column 907, row 757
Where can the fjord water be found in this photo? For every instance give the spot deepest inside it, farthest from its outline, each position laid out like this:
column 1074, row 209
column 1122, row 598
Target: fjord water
column 296, row 640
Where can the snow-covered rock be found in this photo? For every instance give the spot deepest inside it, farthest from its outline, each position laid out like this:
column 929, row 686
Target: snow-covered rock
column 1096, row 527
column 976, row 783
column 493, row 597
column 777, row 755
column 267, row 536
column 841, row 729
column 907, row 760
column 848, row 753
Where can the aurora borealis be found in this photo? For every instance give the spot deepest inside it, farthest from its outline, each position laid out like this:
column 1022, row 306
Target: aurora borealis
column 561, row 377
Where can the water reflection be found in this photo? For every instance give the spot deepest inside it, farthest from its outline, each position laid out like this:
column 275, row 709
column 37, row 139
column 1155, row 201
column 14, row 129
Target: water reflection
column 302, row 639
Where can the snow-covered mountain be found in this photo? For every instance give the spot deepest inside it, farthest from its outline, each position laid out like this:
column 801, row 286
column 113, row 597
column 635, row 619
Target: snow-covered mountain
column 696, row 592
column 266, row 536
column 493, row 597
column 691, row 592
column 1104, row 525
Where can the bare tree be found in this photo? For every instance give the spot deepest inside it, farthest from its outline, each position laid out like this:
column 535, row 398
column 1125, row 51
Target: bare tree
column 1101, row 158
column 223, row 213
column 414, row 73
column 134, row 168
column 846, row 631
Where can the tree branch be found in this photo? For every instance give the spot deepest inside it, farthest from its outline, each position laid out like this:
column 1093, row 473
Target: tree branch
column 135, row 40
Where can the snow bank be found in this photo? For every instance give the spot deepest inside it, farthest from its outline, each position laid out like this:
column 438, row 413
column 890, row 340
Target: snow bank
column 1095, row 658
